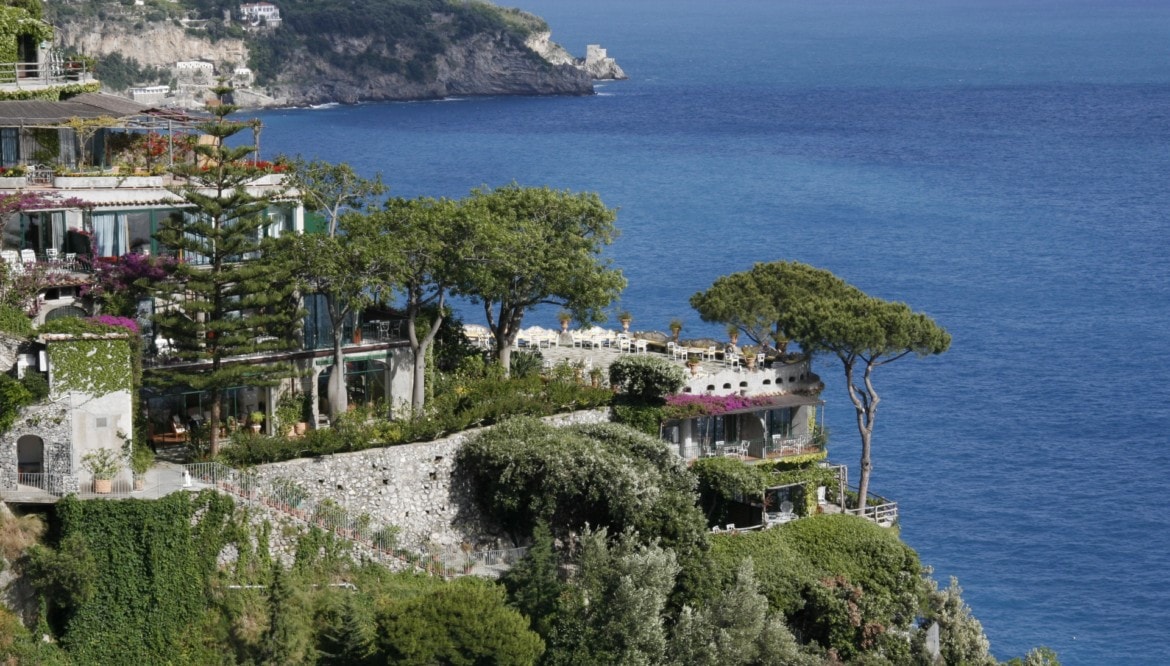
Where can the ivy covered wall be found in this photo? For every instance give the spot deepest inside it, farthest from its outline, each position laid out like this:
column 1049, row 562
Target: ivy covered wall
column 14, row 22
column 92, row 366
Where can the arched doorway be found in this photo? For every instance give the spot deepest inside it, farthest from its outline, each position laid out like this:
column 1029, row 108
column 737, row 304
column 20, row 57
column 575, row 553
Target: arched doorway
column 30, row 455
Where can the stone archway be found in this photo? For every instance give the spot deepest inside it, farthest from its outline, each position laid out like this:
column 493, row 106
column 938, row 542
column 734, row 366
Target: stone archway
column 30, row 455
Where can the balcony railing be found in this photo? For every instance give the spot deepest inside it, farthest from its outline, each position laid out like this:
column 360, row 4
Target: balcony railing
column 778, row 446
column 878, row 509
column 52, row 72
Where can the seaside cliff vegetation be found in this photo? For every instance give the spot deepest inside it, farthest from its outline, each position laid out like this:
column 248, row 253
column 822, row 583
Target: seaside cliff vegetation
column 348, row 52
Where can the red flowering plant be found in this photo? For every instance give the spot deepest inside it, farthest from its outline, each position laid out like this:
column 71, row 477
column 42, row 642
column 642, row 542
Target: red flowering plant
column 687, row 405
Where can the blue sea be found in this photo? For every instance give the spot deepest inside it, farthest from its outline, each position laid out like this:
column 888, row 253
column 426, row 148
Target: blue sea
column 1001, row 165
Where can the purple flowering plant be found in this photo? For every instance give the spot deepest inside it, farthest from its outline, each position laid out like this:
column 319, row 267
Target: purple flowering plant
column 688, row 405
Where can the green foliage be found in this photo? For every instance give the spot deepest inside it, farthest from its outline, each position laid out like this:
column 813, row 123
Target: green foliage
column 736, row 628
column 961, row 637
column 841, row 580
column 118, row 72
column 19, row 646
column 536, row 246
column 53, row 94
column 419, row 29
column 146, row 568
column 13, row 396
column 526, row 363
column 756, row 301
column 614, row 610
column 93, row 367
column 724, row 480
column 461, row 404
column 465, row 622
column 225, row 307
column 646, row 378
column 643, row 418
column 103, row 463
column 606, row 475
column 14, row 320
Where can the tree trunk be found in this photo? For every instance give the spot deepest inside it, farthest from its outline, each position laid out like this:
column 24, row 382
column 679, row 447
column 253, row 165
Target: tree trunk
column 865, row 401
column 418, row 397
column 213, row 433
column 338, row 399
column 338, row 396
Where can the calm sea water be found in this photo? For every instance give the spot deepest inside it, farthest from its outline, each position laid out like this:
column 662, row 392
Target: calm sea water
column 1000, row 165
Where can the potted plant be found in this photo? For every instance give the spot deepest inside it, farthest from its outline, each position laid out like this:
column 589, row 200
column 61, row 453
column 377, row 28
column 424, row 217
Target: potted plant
column 141, row 460
column 256, row 419
column 564, row 317
column 625, row 318
column 595, row 375
column 781, row 343
column 733, row 333
column 749, row 356
column 675, row 329
column 693, row 364
column 104, row 465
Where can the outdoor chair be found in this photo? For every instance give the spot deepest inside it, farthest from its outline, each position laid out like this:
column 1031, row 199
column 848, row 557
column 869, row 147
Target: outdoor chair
column 28, row 256
column 12, row 258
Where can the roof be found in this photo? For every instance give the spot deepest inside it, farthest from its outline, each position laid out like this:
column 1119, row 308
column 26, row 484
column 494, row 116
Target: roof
column 88, row 105
column 85, row 105
column 778, row 401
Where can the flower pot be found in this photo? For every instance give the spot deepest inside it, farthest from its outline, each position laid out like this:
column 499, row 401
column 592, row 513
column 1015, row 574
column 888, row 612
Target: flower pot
column 302, row 428
column 626, row 325
column 694, row 368
column 357, row 336
column 103, row 486
column 139, row 484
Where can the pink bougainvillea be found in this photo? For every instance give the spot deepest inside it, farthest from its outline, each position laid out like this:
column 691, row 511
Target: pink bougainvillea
column 120, row 322
column 685, row 405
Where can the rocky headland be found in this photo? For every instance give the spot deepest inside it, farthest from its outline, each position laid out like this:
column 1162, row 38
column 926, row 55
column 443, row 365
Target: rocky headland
column 346, row 64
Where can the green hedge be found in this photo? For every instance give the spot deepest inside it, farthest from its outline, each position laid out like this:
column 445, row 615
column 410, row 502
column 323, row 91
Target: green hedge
column 458, row 407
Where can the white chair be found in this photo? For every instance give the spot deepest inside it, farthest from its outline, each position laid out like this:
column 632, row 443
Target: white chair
column 640, row 347
column 760, row 358
column 709, row 353
column 12, row 258
column 28, row 256
column 624, row 343
column 732, row 359
column 52, row 255
column 70, row 260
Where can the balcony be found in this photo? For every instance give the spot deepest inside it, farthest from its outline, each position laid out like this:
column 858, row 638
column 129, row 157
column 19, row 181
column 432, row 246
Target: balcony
column 52, row 73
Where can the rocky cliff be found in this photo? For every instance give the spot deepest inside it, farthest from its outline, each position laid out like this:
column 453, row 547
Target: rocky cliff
column 155, row 44
column 481, row 65
column 485, row 63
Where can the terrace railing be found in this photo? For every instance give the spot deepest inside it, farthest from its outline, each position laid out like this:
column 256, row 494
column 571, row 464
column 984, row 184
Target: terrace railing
column 878, row 509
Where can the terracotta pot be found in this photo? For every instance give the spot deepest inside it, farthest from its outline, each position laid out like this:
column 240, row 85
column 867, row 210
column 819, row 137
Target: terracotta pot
column 139, row 484
column 302, row 428
column 103, row 486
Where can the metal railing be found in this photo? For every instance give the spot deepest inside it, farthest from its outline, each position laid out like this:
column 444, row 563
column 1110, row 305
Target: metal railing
column 53, row 71
column 878, row 509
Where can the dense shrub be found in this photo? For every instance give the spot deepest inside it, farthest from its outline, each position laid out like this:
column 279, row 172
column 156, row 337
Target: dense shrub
column 464, row 622
column 13, row 396
column 646, row 378
column 15, row 321
column 643, row 418
column 606, row 475
column 841, row 580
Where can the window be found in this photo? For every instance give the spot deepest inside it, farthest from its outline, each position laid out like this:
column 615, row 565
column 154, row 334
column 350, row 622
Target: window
column 780, row 421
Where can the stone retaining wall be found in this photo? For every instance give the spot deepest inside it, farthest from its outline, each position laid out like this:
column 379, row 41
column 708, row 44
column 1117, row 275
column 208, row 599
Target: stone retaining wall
column 408, row 485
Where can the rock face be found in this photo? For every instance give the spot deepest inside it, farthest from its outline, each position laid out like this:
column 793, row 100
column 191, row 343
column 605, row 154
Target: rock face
column 156, row 44
column 483, row 64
